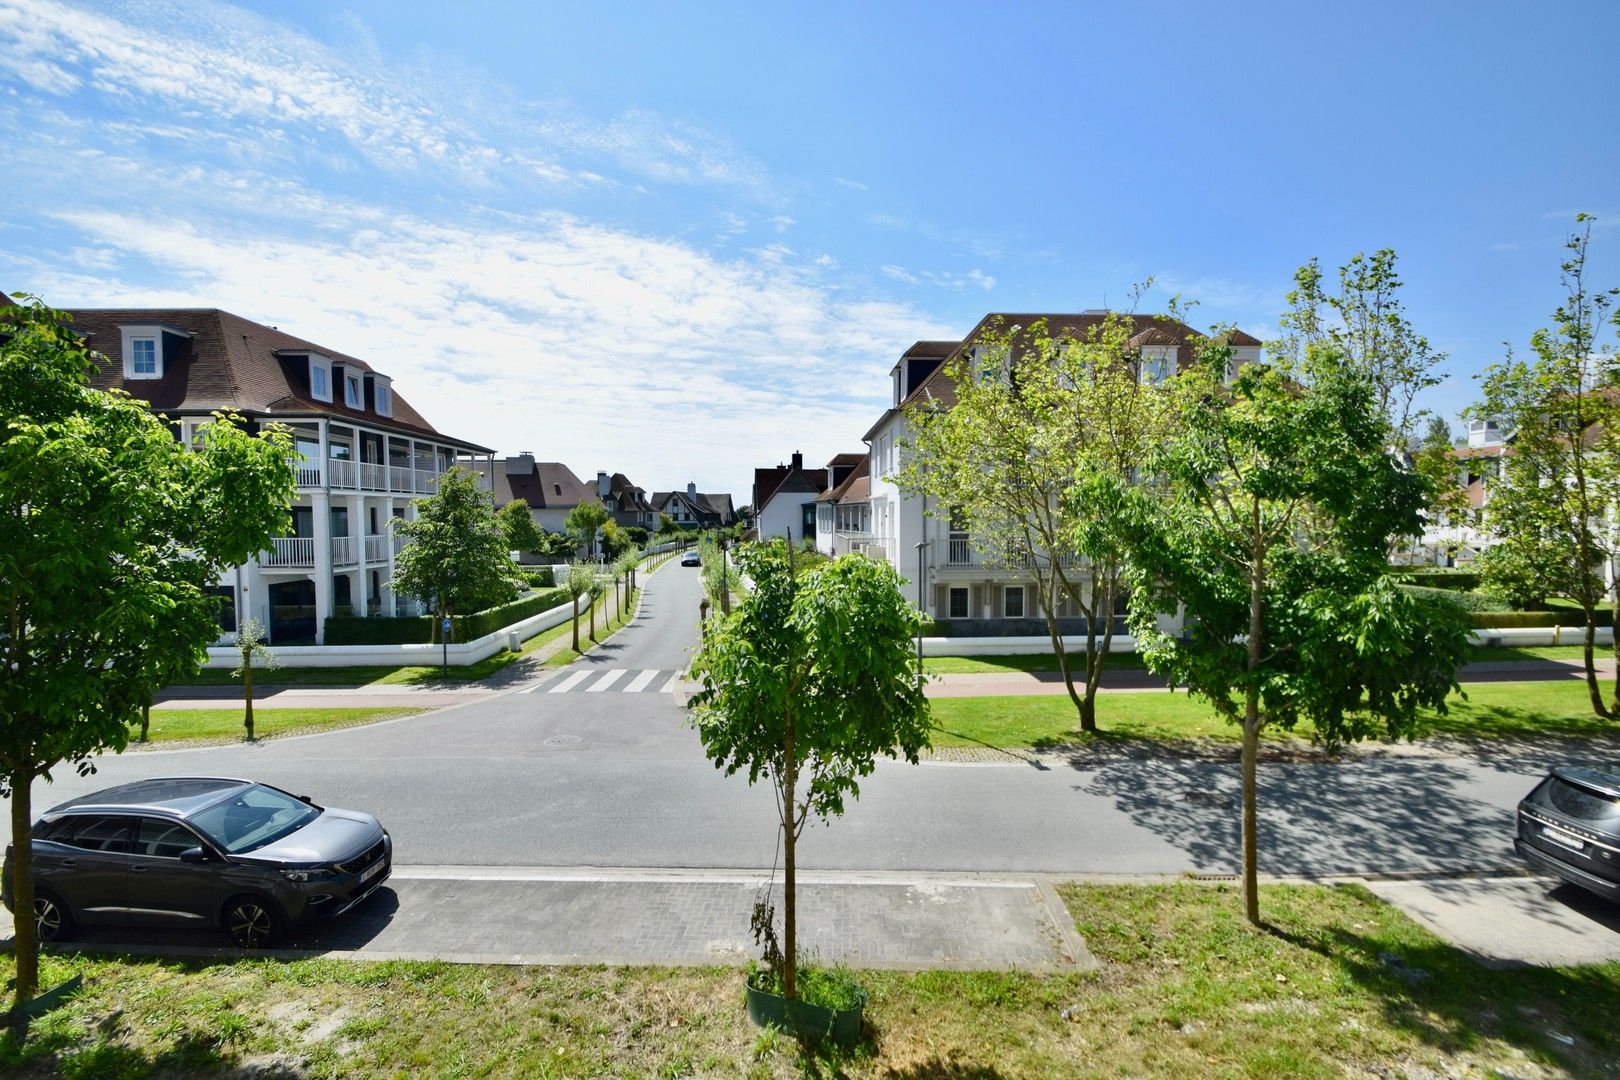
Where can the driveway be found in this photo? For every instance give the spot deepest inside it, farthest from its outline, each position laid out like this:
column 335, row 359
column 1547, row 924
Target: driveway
column 1511, row 921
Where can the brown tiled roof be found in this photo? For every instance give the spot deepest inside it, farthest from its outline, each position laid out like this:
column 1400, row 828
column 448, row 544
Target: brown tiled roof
column 541, row 484
column 859, row 477
column 229, row 362
column 619, row 485
column 939, row 349
column 840, row 461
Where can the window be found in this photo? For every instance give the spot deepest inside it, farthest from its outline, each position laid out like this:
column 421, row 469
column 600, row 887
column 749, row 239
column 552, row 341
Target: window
column 97, row 833
column 959, row 603
column 320, row 378
column 163, row 839
column 1012, row 602
column 256, row 817
column 382, row 395
column 1156, row 364
column 351, row 391
column 143, row 356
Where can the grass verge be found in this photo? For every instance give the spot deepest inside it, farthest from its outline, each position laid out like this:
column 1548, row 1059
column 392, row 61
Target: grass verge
column 973, row 665
column 1185, row 988
column 1505, row 710
column 225, row 725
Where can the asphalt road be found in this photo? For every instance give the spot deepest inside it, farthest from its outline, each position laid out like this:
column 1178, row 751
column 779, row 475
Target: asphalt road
column 616, row 778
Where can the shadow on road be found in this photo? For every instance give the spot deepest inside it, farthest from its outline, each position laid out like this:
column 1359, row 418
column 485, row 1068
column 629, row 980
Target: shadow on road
column 1317, row 819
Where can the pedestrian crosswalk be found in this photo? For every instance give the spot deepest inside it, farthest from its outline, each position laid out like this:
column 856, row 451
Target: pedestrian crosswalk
column 617, row 680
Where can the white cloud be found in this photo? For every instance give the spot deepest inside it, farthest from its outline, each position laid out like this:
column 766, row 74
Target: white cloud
column 900, row 273
column 853, row 185
column 599, row 346
column 941, row 279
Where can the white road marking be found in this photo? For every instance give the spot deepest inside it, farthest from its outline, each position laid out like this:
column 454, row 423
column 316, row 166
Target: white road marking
column 538, row 683
column 669, row 687
column 639, row 683
column 572, row 681
column 606, row 681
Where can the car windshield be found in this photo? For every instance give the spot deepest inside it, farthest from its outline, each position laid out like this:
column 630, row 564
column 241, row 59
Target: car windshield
column 1582, row 804
column 253, row 818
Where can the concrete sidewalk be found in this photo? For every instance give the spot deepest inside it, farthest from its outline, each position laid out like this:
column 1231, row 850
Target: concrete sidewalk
column 1512, row 921
column 320, row 697
column 585, row 916
column 1129, row 680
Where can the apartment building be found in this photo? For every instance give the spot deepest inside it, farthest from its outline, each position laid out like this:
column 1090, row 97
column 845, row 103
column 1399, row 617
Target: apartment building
column 363, row 454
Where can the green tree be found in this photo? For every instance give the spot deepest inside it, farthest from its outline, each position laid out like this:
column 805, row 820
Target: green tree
column 583, row 521
column 624, row 568
column 594, row 591
column 1435, row 459
column 556, row 546
column 112, row 534
column 456, row 560
column 1268, row 514
column 1553, row 507
column 1044, row 426
column 666, row 525
column 578, row 583
column 1365, row 322
column 517, row 525
column 805, row 684
column 251, row 651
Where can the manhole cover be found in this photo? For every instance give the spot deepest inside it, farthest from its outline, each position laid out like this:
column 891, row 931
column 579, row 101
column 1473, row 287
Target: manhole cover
column 1209, row 799
column 562, row 740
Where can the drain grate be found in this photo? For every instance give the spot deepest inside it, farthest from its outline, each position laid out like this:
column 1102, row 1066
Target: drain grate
column 561, row 740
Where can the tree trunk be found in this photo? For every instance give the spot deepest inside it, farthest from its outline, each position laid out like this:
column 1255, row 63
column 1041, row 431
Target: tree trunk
column 247, row 695
column 576, row 623
column 26, row 944
column 790, row 881
column 1251, row 729
column 146, row 719
column 1588, row 651
column 1085, row 706
column 1614, row 641
column 592, row 613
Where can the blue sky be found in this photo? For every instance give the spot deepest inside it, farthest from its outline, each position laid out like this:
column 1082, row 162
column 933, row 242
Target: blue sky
column 683, row 240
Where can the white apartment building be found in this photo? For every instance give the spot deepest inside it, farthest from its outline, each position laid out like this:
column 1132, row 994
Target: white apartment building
column 363, row 454
column 966, row 591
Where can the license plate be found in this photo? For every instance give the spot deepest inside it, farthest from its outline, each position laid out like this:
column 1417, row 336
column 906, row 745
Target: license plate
column 1563, row 839
column 371, row 871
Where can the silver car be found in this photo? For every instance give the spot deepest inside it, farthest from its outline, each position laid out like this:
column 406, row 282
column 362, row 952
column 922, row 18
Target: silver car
column 194, row 851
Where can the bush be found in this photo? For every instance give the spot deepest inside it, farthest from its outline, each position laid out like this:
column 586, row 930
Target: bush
column 419, row 629
column 541, row 578
column 1469, row 601
column 1446, row 578
column 1507, row 620
column 638, row 535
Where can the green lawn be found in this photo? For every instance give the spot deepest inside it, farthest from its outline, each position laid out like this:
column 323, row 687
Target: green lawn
column 171, row 725
column 962, row 665
column 1186, row 988
column 1490, row 710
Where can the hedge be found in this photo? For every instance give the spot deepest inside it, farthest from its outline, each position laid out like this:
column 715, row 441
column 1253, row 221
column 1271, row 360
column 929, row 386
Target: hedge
column 1508, row 620
column 419, row 630
column 539, row 578
column 1470, row 601
column 1461, row 580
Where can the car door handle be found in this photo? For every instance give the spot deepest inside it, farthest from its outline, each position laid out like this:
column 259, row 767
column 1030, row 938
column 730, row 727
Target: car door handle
column 138, row 869
column 67, row 864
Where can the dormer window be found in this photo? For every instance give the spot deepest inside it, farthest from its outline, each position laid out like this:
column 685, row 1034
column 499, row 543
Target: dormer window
column 1158, row 363
column 320, row 378
column 143, row 357
column 351, row 391
column 143, row 349
column 382, row 396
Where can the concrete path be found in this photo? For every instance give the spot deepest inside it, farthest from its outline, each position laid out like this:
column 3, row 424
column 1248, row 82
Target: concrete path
column 363, row 697
column 577, row 916
column 1050, row 683
column 1504, row 922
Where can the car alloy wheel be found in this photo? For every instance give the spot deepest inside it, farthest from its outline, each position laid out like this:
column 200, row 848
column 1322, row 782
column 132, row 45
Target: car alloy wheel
column 52, row 922
column 251, row 924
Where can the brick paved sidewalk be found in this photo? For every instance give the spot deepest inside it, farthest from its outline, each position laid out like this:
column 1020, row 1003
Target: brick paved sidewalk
column 492, row 915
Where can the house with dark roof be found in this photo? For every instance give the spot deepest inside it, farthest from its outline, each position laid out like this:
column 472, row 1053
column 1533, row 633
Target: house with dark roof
column 628, row 503
column 694, row 509
column 549, row 488
column 844, row 511
column 363, row 454
column 965, row 591
column 785, row 498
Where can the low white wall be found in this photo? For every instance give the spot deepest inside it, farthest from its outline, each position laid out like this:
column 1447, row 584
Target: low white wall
column 1006, row 646
column 461, row 654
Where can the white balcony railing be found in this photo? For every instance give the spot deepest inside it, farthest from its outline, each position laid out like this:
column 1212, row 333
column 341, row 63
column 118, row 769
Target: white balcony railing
column 373, row 477
column 959, row 552
column 346, row 474
column 343, row 550
column 376, row 549
column 295, row 551
column 308, row 472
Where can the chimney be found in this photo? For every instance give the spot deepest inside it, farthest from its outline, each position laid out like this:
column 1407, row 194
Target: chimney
column 601, row 484
column 691, row 491
column 522, row 464
column 798, row 461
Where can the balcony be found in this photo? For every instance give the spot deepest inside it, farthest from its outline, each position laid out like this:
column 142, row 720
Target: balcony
column 376, row 549
column 346, row 474
column 343, row 550
column 289, row 551
column 959, row 552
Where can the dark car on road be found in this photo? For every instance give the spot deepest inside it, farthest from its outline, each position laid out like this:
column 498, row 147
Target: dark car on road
column 1570, row 826
column 691, row 559
column 195, row 851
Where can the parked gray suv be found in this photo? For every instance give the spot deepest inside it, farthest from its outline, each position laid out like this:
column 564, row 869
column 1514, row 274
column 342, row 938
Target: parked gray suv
column 192, row 851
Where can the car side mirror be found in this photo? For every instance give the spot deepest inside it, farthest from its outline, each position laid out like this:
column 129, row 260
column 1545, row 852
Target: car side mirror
column 306, row 799
column 194, row 855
